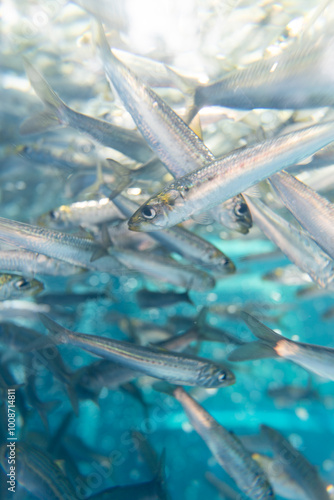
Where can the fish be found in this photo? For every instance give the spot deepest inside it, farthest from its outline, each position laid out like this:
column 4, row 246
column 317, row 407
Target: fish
column 284, row 485
column 297, row 466
column 37, row 472
column 225, row 491
column 287, row 395
column 58, row 114
column 147, row 299
column 283, row 81
column 294, row 243
column 80, row 213
column 175, row 144
column 158, row 363
column 186, row 243
column 313, row 212
column 149, row 490
column 165, row 269
column 75, row 250
column 236, row 172
column 32, row 263
column 314, row 358
column 18, row 287
column 227, row 449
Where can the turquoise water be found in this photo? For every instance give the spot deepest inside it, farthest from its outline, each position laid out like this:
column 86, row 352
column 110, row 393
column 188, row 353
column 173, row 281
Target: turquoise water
column 202, row 41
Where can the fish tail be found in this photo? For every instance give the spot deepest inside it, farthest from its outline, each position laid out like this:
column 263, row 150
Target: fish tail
column 264, row 348
column 54, row 114
column 59, row 333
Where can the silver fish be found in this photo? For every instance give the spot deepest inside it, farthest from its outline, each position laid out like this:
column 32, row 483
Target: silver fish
column 58, row 114
column 227, row 449
column 169, row 366
column 295, row 244
column 314, row 213
column 314, row 358
column 207, row 187
column 31, row 263
column 175, row 144
column 298, row 467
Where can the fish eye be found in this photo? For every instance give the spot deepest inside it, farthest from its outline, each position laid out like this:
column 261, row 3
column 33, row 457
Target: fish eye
column 222, row 376
column 241, row 209
column 22, row 284
column 52, row 214
column 148, row 212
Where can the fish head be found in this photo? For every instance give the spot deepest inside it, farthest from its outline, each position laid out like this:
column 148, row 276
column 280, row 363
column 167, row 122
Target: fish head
column 28, row 288
column 158, row 212
column 55, row 219
column 235, row 214
column 212, row 375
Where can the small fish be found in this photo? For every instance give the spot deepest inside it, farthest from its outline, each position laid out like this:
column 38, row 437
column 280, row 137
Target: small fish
column 296, row 465
column 287, row 395
column 58, row 114
column 314, row 358
column 294, row 243
column 284, row 485
column 165, row 269
column 314, row 213
column 37, row 472
column 80, row 213
column 186, row 243
column 169, row 366
column 147, row 299
column 150, row 490
column 75, row 250
column 17, row 287
column 210, row 185
column 227, row 449
column 175, row 144
column 31, row 263
column 283, row 81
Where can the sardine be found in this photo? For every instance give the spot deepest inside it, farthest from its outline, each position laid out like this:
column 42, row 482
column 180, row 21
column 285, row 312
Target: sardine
column 169, row 366
column 208, row 186
column 314, row 213
column 58, row 114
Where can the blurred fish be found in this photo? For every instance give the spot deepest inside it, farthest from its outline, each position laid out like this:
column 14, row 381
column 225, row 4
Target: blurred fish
column 17, row 287
column 328, row 314
column 75, row 250
column 37, row 472
column 294, row 243
column 31, row 263
column 282, row 482
column 169, row 366
column 287, row 395
column 289, row 275
column 184, row 242
column 225, row 177
column 227, row 449
column 147, row 299
column 165, row 269
column 81, row 213
column 176, row 145
column 150, row 490
column 315, row 213
column 282, row 81
column 58, row 114
column 297, row 466
column 315, row 358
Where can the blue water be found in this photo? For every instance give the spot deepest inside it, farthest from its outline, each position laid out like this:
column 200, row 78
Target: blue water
column 57, row 37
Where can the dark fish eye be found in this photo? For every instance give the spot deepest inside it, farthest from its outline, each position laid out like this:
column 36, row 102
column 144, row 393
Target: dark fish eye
column 52, row 215
column 22, row 284
column 221, row 376
column 241, row 209
column 148, row 212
